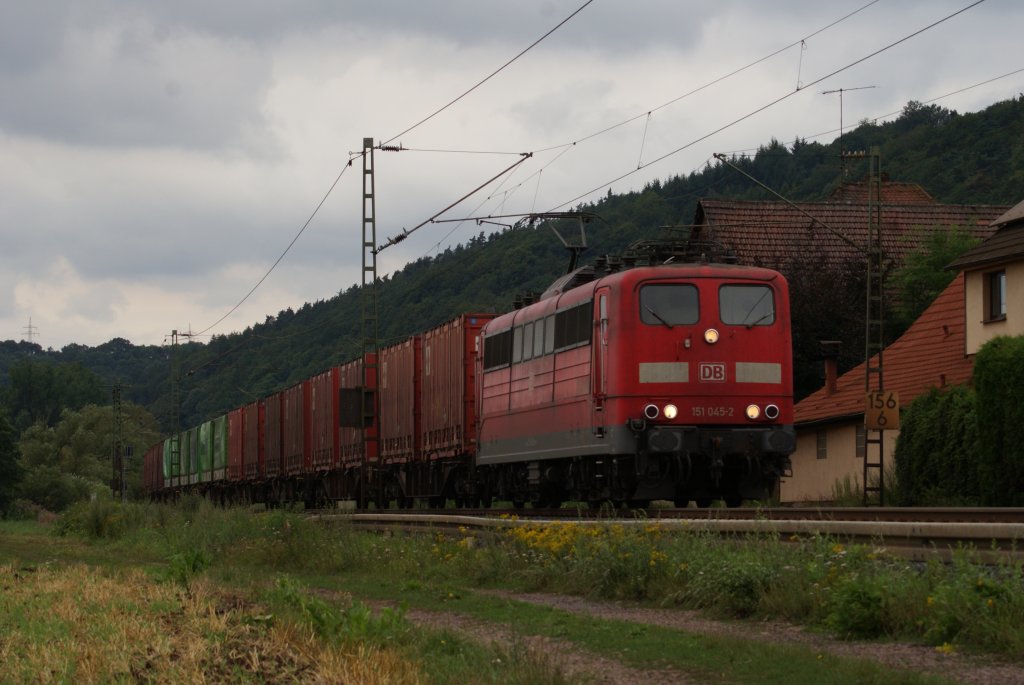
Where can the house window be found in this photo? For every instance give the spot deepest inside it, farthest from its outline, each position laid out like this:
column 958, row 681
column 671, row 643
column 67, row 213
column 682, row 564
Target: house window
column 995, row 296
column 822, row 444
column 861, row 441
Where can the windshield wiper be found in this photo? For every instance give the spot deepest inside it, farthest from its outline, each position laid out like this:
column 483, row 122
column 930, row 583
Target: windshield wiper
column 754, row 306
column 658, row 316
column 766, row 316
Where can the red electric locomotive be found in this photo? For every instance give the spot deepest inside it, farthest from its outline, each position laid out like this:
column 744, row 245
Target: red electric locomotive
column 622, row 382
column 668, row 382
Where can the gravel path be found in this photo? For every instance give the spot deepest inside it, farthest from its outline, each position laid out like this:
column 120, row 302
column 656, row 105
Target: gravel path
column 602, row 670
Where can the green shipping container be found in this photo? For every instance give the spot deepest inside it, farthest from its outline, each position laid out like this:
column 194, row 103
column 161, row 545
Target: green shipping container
column 205, row 461
column 192, row 460
column 220, row 447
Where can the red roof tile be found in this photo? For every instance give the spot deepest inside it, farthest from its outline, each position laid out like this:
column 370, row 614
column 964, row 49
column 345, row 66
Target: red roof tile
column 930, row 354
column 893, row 193
column 775, row 234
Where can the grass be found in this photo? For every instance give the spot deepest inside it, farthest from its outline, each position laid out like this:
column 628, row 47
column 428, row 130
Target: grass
column 196, row 581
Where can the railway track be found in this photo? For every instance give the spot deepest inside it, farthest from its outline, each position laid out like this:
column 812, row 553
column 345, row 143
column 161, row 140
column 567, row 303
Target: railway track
column 917, row 534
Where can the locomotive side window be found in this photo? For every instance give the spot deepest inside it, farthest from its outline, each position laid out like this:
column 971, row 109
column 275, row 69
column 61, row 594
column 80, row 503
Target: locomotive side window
column 669, row 304
column 528, row 341
column 549, row 334
column 746, row 305
column 498, row 350
column 538, row 338
column 517, row 344
column 574, row 326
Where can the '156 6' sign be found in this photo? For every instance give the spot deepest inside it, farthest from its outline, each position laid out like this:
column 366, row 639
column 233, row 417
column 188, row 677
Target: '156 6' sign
column 882, row 411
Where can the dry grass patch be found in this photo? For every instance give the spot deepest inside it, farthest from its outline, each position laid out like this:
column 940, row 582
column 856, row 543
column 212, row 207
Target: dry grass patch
column 79, row 625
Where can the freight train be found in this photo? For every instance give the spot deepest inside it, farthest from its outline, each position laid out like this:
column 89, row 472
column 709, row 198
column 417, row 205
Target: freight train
column 657, row 377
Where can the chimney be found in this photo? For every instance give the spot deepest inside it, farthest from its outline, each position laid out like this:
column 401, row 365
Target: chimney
column 830, row 353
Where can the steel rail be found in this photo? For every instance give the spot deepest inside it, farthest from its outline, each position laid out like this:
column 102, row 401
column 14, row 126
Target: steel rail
column 915, row 540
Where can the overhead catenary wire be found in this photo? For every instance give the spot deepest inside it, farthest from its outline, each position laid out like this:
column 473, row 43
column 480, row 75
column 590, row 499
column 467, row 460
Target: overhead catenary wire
column 353, row 156
column 273, row 266
column 769, row 105
column 879, row 117
column 489, row 76
column 566, row 147
column 707, row 85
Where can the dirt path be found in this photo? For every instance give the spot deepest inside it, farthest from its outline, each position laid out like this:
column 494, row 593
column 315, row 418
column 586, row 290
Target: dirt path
column 597, row 668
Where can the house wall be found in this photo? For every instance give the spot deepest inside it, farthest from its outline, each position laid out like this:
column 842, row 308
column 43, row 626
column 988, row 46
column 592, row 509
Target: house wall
column 979, row 332
column 813, row 479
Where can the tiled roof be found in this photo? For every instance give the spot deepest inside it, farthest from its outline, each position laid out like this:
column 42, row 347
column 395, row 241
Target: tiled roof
column 775, row 234
column 1015, row 215
column 930, row 354
column 893, row 193
column 1007, row 243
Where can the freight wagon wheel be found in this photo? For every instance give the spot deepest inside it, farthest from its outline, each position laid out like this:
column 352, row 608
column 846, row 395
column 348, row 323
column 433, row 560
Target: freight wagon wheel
column 733, row 501
column 518, row 503
column 704, row 502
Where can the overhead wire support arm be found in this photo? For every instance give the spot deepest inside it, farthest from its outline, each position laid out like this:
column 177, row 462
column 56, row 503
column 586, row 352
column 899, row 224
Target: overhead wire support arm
column 722, row 158
column 406, row 232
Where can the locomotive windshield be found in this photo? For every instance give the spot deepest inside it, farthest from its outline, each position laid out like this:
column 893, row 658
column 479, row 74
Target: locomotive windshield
column 746, row 305
column 669, row 304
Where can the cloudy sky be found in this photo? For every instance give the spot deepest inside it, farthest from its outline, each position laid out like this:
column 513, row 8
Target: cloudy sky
column 156, row 158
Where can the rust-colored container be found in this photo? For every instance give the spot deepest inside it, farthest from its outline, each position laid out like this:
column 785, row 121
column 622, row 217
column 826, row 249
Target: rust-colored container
column 253, row 461
column 352, row 376
column 295, row 429
column 272, row 437
column 236, row 444
column 325, row 420
column 153, row 469
column 447, row 392
column 399, row 411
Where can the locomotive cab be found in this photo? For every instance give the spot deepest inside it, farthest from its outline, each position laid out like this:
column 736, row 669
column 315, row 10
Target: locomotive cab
column 701, row 387
column 662, row 382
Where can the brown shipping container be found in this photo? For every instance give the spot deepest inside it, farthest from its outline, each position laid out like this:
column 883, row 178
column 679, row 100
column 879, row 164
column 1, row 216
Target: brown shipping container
column 253, row 461
column 236, row 444
column 296, row 429
column 447, row 392
column 326, row 435
column 272, row 440
column 399, row 411
column 154, row 468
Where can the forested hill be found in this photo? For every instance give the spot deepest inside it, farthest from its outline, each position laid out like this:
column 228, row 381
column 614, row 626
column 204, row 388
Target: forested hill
column 958, row 158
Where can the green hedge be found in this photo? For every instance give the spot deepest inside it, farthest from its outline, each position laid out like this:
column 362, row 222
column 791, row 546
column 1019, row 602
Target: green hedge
column 966, row 445
column 999, row 384
column 936, row 452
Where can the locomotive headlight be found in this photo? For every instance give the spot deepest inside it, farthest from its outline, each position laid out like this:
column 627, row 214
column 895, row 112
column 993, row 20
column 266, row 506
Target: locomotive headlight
column 651, row 411
column 671, row 411
column 711, row 336
column 753, row 412
column 771, row 412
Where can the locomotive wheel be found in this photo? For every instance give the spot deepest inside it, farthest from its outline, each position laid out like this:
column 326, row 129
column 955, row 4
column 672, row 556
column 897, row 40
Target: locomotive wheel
column 733, row 501
column 639, row 503
column 704, row 502
column 518, row 503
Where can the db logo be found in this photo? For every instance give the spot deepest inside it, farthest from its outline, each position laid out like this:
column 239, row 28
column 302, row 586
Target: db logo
column 711, row 372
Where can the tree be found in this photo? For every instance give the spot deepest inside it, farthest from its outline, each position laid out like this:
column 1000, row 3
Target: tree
column 39, row 391
column 10, row 469
column 924, row 275
column 72, row 459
